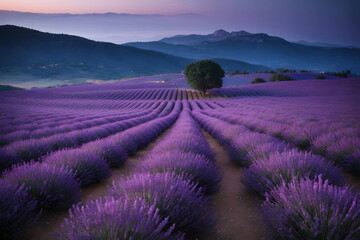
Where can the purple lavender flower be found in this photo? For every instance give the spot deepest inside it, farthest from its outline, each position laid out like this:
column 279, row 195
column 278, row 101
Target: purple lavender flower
column 264, row 175
column 116, row 219
column 178, row 200
column 309, row 209
column 195, row 167
column 53, row 187
column 87, row 166
column 17, row 210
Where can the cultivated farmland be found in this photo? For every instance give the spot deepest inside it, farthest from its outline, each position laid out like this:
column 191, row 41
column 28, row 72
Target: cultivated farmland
column 145, row 159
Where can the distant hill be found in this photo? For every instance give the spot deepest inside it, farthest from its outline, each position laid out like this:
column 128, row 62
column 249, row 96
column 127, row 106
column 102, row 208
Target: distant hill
column 9, row 88
column 234, row 65
column 62, row 56
column 49, row 56
column 258, row 48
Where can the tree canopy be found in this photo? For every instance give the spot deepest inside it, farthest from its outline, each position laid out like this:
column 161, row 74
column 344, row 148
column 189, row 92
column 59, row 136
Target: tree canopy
column 258, row 80
column 280, row 77
column 204, row 75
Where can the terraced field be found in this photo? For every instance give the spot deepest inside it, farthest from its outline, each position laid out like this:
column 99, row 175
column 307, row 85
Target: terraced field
column 145, row 160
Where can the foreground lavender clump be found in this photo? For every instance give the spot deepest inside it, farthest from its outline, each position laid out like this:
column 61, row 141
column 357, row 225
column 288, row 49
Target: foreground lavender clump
column 53, row 187
column 17, row 210
column 87, row 166
column 114, row 154
column 195, row 167
column 178, row 200
column 113, row 219
column 309, row 209
column 240, row 147
column 264, row 175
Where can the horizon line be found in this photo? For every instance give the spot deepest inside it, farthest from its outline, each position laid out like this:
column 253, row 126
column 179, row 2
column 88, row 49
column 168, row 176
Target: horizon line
column 119, row 13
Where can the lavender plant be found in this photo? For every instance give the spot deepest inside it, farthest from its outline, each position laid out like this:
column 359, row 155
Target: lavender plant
column 178, row 200
column 28, row 149
column 51, row 186
column 195, row 167
column 312, row 209
column 186, row 144
column 87, row 166
column 117, row 219
column 264, row 175
column 17, row 210
column 114, row 155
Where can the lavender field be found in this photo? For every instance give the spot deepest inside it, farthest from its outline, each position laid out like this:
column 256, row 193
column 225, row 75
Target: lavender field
column 148, row 158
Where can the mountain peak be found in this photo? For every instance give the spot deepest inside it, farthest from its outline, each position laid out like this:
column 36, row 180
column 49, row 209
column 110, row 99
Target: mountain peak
column 220, row 33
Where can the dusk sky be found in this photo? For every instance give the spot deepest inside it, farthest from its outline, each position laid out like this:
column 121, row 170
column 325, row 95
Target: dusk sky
column 333, row 21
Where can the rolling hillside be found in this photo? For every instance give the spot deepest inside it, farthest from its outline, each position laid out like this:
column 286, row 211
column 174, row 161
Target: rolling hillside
column 64, row 57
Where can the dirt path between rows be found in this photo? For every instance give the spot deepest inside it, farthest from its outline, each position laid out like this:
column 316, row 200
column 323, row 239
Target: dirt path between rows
column 50, row 222
column 237, row 210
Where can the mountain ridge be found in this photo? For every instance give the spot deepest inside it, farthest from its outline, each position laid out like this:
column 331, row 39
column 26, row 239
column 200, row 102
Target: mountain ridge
column 257, row 48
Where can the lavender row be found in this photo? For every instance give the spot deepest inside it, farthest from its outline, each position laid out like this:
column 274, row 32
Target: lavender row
column 305, row 197
column 178, row 153
column 140, row 94
column 54, row 183
column 71, row 125
column 59, row 105
column 338, row 142
column 123, row 216
column 33, row 149
column 268, row 161
column 29, row 123
column 23, row 118
column 167, row 185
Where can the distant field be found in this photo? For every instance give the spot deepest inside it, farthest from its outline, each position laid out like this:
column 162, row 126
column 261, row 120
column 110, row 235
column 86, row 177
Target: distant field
column 257, row 161
column 178, row 80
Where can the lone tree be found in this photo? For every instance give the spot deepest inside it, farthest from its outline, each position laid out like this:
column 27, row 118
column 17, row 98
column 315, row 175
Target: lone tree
column 279, row 78
column 204, row 75
column 258, row 80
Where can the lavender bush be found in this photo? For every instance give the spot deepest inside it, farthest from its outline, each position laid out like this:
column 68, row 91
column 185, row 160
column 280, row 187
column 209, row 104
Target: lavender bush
column 114, row 155
column 195, row 167
column 87, row 166
column 240, row 147
column 178, row 199
column 309, row 209
column 264, row 175
column 185, row 144
column 17, row 210
column 28, row 149
column 116, row 219
column 126, row 141
column 51, row 186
